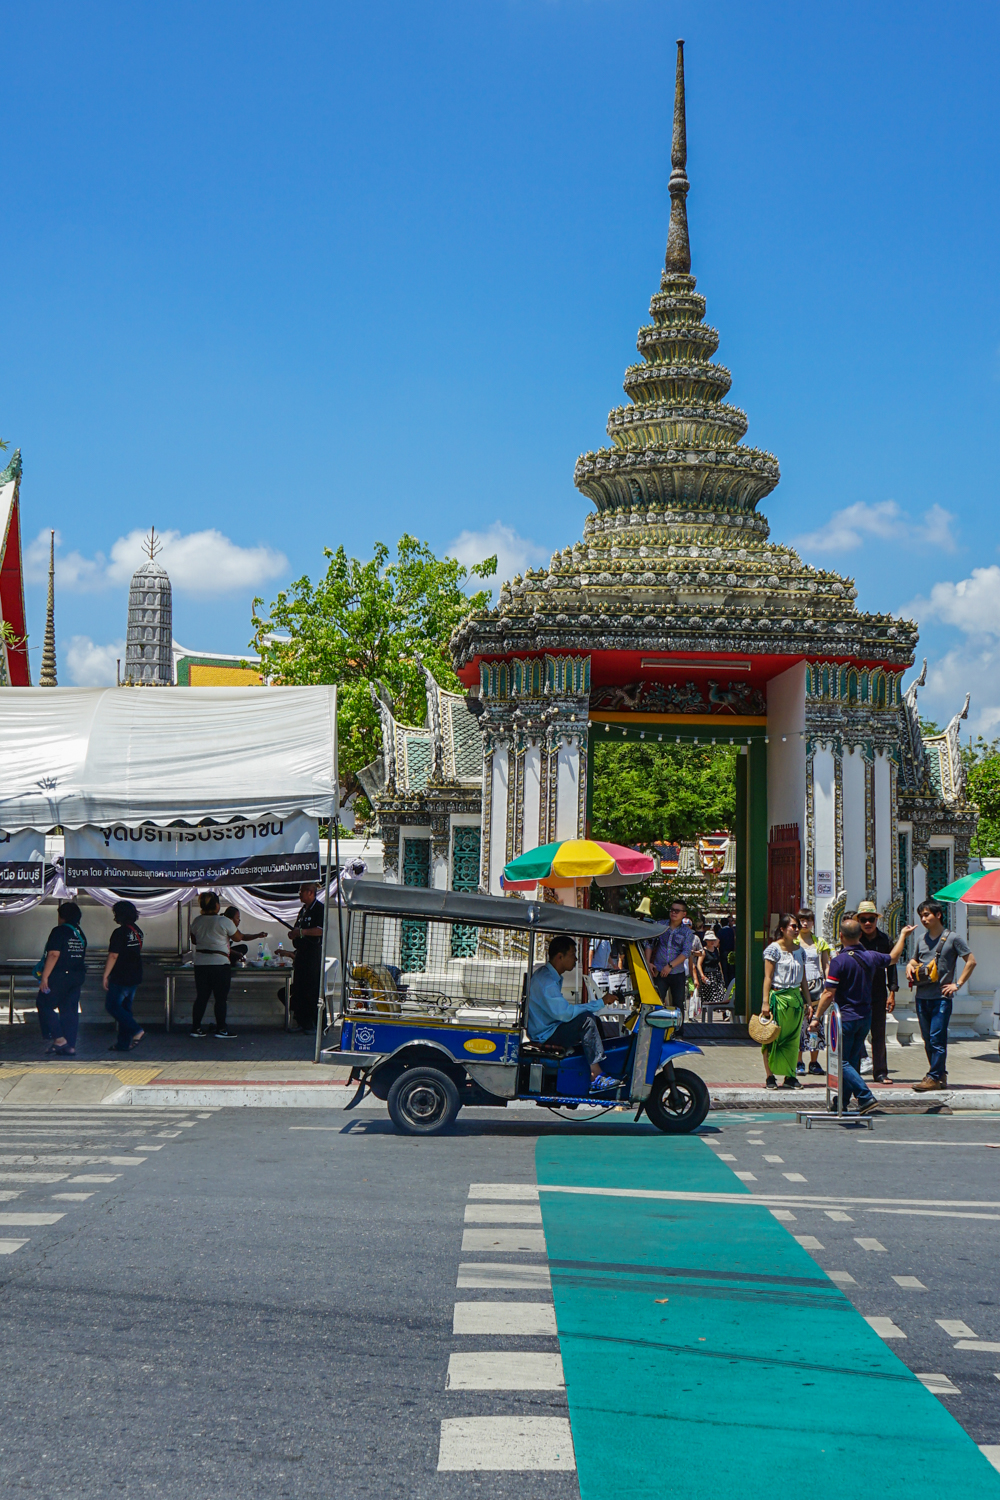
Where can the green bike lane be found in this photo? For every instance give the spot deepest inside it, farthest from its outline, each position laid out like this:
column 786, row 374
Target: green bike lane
column 702, row 1347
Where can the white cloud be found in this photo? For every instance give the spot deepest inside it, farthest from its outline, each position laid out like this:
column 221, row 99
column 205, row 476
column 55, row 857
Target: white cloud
column 89, row 665
column 971, row 604
column 848, row 529
column 201, row 562
column 967, row 668
column 514, row 553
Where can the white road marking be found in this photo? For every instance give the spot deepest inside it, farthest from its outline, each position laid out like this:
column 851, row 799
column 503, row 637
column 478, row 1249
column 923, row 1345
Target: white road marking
column 885, row 1328
column 503, row 1190
column 71, row 1161
column 751, row 1200
column 843, row 1278
column 489, row 1371
column 809, row 1242
column 8, row 1193
column 32, row 1219
column 7, row 1247
column 71, row 1197
column 933, row 1213
column 978, row 1345
column 33, row 1176
column 510, row 1318
column 96, row 1177
column 783, row 1215
column 873, row 1140
column 167, row 1135
column 497, row 1276
column 794, row 1177
column 910, row 1283
column 868, row 1244
column 504, row 1239
column 745, row 1176
column 503, row 1213
column 726, row 1156
column 955, row 1328
column 778, row 1160
column 991, row 1452
column 838, row 1216
column 939, row 1385
column 470, row 1443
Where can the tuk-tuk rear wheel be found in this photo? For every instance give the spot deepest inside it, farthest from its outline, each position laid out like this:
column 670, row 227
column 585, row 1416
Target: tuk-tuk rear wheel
column 423, row 1101
column 679, row 1105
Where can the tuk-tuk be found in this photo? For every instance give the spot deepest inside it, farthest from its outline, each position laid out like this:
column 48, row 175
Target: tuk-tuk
column 433, row 1000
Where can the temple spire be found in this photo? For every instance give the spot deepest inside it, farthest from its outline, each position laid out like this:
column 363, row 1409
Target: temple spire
column 678, row 248
column 47, row 677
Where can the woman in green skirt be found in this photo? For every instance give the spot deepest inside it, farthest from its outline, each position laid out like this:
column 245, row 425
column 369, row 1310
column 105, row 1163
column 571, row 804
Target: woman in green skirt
column 785, row 999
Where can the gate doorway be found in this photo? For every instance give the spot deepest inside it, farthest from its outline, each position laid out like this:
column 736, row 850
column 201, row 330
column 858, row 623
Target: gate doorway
column 748, row 736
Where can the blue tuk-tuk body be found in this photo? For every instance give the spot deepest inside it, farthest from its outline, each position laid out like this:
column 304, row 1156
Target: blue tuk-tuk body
column 433, row 997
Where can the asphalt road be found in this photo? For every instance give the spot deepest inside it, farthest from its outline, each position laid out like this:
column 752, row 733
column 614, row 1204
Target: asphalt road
column 264, row 1301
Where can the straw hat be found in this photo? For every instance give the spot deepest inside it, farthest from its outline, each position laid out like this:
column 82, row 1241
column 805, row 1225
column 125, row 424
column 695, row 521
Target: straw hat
column 644, row 909
column 868, row 907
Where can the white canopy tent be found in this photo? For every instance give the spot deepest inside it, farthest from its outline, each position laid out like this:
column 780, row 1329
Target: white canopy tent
column 70, row 757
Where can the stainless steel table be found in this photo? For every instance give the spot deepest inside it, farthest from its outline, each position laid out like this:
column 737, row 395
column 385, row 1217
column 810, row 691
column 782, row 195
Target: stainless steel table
column 13, row 969
column 279, row 975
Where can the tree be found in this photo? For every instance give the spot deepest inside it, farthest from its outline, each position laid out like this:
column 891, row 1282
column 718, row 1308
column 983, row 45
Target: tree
column 647, row 794
column 366, row 622
column 982, row 763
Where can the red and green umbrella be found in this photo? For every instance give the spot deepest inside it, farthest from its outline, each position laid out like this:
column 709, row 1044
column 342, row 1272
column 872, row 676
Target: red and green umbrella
column 980, row 889
column 572, row 862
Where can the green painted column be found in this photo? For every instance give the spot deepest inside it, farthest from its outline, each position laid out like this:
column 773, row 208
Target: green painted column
column 742, row 832
column 757, row 866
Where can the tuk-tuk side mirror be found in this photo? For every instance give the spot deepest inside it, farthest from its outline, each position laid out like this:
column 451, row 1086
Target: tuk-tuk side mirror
column 664, row 1019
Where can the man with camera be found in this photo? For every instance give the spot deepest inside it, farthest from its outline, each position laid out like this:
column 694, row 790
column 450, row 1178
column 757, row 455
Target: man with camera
column 932, row 971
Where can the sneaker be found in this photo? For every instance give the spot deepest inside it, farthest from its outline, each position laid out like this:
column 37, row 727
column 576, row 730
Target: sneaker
column 198, row 1032
column 816, row 1069
column 770, row 1082
column 227, row 1036
column 868, row 1106
column 800, row 1067
column 928, row 1084
column 866, row 1067
column 791, row 1083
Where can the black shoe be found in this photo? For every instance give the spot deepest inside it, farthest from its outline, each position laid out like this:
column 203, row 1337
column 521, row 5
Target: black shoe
column 869, row 1107
column 791, row 1082
column 816, row 1069
column 770, row 1082
column 198, row 1032
column 226, row 1036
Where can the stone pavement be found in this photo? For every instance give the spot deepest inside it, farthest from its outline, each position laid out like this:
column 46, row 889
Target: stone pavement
column 973, row 1064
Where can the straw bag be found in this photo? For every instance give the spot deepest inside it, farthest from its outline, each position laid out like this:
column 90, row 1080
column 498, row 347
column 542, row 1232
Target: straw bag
column 763, row 1032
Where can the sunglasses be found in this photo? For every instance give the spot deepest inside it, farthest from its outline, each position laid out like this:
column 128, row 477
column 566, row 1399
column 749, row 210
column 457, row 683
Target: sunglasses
column 865, row 921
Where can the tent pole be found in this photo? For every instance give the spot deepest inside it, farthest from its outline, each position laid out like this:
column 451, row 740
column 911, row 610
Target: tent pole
column 321, row 1007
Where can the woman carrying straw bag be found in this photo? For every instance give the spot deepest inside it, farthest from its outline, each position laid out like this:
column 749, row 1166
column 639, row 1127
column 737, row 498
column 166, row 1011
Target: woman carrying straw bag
column 785, row 999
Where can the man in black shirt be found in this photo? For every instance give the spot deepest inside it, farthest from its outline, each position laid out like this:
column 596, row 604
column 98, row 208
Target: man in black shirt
column 885, row 983
column 307, row 939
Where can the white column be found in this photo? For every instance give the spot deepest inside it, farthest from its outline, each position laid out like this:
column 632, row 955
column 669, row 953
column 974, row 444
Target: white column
column 855, row 831
column 883, row 829
column 498, row 817
column 824, row 827
column 568, row 790
column 532, row 796
column 786, row 755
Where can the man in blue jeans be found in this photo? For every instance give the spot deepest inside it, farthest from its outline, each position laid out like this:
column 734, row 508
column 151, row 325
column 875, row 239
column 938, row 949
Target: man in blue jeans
column 849, row 982
column 937, row 953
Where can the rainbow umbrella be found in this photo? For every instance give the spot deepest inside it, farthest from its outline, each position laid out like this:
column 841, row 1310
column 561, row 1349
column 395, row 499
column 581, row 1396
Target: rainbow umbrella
column 572, row 862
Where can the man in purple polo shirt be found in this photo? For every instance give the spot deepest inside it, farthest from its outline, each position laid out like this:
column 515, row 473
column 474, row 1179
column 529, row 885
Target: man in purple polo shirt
column 668, row 953
column 849, row 982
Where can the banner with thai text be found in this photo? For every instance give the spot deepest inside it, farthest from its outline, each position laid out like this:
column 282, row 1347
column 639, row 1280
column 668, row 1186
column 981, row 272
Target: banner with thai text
column 22, row 861
column 267, row 851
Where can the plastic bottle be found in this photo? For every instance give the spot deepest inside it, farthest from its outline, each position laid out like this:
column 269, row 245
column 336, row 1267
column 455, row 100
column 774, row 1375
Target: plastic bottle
column 260, row 955
column 267, row 958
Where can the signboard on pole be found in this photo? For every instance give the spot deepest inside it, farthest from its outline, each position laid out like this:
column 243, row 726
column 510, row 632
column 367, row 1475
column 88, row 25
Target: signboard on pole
column 22, row 862
column 265, row 851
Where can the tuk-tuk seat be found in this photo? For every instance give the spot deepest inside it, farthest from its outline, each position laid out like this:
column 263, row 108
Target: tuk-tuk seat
column 550, row 1050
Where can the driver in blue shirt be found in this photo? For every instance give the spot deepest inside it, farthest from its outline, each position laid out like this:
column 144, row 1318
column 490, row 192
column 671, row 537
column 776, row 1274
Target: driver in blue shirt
column 553, row 1018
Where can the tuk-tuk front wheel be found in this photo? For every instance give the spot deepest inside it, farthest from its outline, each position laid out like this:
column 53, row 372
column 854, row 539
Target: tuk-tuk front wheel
column 678, row 1105
column 422, row 1101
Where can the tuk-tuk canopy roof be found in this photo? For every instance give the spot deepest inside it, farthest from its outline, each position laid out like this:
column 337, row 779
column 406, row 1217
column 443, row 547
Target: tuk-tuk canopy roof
column 390, row 900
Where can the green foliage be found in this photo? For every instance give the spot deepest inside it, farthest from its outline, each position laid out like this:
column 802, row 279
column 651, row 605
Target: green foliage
column 647, row 794
column 365, row 622
column 982, row 763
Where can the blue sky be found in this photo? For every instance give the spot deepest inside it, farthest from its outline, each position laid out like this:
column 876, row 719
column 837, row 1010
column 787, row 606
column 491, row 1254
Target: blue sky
column 285, row 276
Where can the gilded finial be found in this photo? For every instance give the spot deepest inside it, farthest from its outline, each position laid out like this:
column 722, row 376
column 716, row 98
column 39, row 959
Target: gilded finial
column 47, row 676
column 678, row 247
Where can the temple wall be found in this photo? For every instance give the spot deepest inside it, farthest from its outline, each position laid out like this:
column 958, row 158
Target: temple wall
column 884, row 831
column 855, row 830
column 824, row 825
column 786, row 752
column 568, row 791
column 498, row 818
column 532, row 797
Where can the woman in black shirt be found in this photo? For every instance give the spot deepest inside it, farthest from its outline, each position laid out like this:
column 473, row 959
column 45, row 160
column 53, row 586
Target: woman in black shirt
column 123, row 975
column 63, row 972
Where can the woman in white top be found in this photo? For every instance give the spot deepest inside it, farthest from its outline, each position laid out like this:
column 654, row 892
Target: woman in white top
column 786, row 996
column 211, row 935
